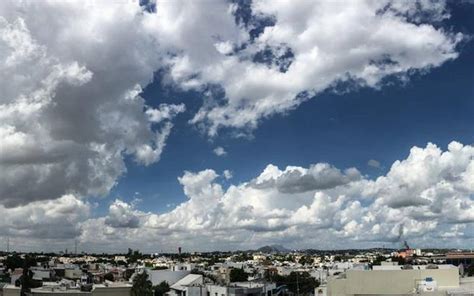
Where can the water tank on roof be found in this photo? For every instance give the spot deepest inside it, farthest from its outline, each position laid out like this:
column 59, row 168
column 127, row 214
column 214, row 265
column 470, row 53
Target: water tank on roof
column 427, row 285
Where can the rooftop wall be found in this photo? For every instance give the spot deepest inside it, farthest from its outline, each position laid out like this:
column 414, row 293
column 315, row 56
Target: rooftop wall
column 383, row 282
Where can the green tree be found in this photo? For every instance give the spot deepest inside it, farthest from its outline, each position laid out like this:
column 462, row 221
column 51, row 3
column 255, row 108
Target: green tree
column 275, row 277
column 121, row 263
column 27, row 282
column 133, row 255
column 128, row 273
column 399, row 259
column 242, row 257
column 142, row 286
column 109, row 276
column 13, row 261
column 161, row 288
column 378, row 260
column 238, row 275
column 470, row 270
column 306, row 260
column 301, row 283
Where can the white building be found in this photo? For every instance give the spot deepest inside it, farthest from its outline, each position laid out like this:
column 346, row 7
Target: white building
column 166, row 275
column 242, row 289
column 395, row 281
column 190, row 285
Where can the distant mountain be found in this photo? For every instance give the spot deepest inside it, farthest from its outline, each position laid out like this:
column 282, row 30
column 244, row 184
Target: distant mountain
column 273, row 249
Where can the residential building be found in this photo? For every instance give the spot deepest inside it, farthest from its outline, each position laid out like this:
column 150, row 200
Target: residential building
column 190, row 285
column 395, row 281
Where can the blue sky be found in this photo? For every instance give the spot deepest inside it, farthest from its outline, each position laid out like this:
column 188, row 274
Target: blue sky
column 111, row 113
column 346, row 130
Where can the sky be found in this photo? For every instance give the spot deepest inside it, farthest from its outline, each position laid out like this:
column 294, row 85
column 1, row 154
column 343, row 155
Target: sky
column 227, row 125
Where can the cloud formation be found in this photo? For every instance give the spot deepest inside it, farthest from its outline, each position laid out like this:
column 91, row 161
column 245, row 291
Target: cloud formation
column 281, row 54
column 374, row 163
column 45, row 220
column 433, row 204
column 430, row 202
column 219, row 151
column 296, row 179
column 122, row 214
column 71, row 112
column 70, row 108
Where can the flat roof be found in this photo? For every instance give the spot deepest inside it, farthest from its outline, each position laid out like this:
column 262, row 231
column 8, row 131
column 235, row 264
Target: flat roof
column 460, row 255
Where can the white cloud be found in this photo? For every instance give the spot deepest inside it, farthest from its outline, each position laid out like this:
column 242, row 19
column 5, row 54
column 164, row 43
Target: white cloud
column 219, row 151
column 312, row 46
column 227, row 174
column 70, row 108
column 150, row 153
column 297, row 179
column 426, row 203
column 374, row 163
column 164, row 112
column 44, row 225
column 122, row 214
column 70, row 111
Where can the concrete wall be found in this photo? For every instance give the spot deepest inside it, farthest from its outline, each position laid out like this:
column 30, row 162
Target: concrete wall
column 11, row 291
column 189, row 291
column 383, row 282
column 158, row 276
column 196, row 291
column 41, row 274
column 73, row 273
column 337, row 287
column 58, row 293
column 215, row 290
column 111, row 291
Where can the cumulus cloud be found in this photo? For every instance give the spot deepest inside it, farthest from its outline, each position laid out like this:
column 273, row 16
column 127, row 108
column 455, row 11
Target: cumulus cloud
column 59, row 219
column 71, row 111
column 227, row 174
column 430, row 202
column 122, row 214
column 219, row 151
column 70, row 108
column 278, row 55
column 165, row 112
column 297, row 179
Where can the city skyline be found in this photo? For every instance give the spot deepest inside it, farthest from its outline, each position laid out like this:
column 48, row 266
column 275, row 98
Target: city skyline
column 230, row 125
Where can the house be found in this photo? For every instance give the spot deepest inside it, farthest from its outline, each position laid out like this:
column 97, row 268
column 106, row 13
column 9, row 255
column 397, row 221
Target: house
column 41, row 274
column 9, row 290
column 190, row 285
column 395, row 281
column 242, row 289
column 166, row 275
column 73, row 273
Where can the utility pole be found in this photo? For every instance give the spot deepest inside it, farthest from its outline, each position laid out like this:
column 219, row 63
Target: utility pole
column 8, row 244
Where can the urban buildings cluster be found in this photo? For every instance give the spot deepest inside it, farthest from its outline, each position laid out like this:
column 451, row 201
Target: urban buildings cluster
column 269, row 271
